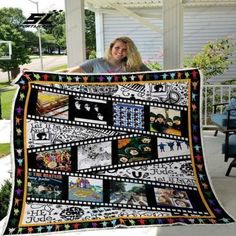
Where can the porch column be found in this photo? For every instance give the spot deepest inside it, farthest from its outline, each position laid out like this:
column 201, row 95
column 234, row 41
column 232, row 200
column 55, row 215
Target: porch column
column 75, row 32
column 173, row 34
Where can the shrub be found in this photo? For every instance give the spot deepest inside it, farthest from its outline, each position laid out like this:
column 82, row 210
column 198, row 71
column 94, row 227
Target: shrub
column 92, row 54
column 5, row 192
column 214, row 58
column 153, row 65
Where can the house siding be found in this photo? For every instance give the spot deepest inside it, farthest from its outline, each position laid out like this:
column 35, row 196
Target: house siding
column 201, row 25
column 208, row 24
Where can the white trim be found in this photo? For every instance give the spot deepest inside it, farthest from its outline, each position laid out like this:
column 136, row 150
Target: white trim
column 7, row 57
column 139, row 12
column 99, row 34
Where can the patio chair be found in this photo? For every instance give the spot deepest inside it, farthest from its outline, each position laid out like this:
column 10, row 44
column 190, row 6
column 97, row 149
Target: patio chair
column 227, row 119
column 226, row 122
column 229, row 148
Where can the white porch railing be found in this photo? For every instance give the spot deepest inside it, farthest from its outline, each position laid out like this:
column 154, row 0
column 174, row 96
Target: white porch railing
column 215, row 94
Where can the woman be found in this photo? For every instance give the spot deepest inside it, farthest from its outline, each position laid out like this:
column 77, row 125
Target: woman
column 121, row 56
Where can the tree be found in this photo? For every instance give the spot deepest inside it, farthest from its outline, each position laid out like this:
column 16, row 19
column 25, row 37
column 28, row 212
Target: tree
column 90, row 35
column 12, row 16
column 31, row 41
column 57, row 31
column 48, row 42
column 11, row 29
column 214, row 58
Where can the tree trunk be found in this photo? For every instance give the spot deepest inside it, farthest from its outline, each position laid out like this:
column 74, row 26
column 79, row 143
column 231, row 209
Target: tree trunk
column 9, row 77
column 15, row 72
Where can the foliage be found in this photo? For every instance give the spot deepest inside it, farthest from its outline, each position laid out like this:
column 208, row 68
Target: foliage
column 48, row 42
column 31, row 40
column 92, row 54
column 19, row 52
column 153, row 65
column 12, row 16
column 11, row 30
column 5, row 193
column 90, row 35
column 214, row 58
column 54, row 36
column 233, row 82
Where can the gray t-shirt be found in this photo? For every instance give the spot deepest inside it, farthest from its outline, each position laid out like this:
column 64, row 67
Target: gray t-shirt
column 100, row 65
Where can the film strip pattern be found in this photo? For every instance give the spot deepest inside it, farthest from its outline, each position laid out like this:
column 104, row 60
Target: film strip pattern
column 181, row 211
column 179, row 173
column 108, row 98
column 85, row 213
column 84, row 142
column 116, row 178
column 203, row 204
column 45, row 134
column 138, row 163
column 108, row 153
column 96, row 111
column 93, row 190
column 106, row 127
column 170, row 93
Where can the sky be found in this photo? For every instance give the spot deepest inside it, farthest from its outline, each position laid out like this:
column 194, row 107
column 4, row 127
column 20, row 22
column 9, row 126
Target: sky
column 29, row 7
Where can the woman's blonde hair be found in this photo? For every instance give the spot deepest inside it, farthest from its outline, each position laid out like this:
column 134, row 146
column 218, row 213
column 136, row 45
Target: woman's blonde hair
column 133, row 62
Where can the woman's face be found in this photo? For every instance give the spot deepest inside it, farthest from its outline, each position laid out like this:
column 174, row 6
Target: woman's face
column 119, row 51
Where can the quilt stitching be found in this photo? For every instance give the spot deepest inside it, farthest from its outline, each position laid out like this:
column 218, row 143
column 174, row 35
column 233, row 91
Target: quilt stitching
column 97, row 151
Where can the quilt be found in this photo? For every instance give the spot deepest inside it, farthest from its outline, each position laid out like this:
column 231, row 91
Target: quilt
column 96, row 151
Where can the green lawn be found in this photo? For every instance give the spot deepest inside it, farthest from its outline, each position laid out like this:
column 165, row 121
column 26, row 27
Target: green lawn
column 7, row 98
column 4, row 149
column 4, row 84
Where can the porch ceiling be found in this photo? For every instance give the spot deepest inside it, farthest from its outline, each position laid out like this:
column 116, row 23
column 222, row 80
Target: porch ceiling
column 130, row 8
column 155, row 3
column 98, row 5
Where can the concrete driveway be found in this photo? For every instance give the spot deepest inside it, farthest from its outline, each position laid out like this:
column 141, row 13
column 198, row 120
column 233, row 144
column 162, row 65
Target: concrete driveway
column 48, row 62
